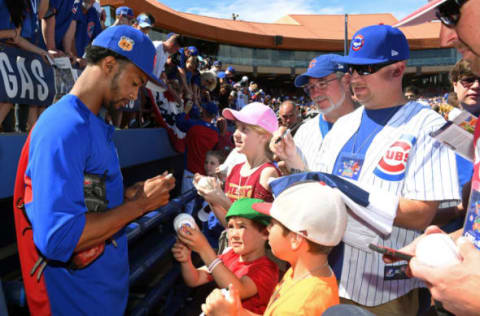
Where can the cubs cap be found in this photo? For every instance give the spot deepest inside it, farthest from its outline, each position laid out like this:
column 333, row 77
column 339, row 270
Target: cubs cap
column 310, row 209
column 243, row 208
column 254, row 113
column 132, row 44
column 422, row 15
column 144, row 21
column 376, row 44
column 230, row 69
column 193, row 50
column 319, row 67
column 124, row 11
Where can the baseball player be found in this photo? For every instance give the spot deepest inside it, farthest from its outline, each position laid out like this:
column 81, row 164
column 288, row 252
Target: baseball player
column 71, row 206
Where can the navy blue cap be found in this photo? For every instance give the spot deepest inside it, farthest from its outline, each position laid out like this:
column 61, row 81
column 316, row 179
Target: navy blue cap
column 319, row 67
column 210, row 107
column 230, row 69
column 132, row 44
column 193, row 50
column 217, row 63
column 144, row 21
column 377, row 44
column 124, row 11
column 221, row 74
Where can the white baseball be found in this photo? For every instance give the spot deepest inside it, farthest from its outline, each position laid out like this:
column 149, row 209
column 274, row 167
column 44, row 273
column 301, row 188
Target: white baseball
column 437, row 250
column 205, row 183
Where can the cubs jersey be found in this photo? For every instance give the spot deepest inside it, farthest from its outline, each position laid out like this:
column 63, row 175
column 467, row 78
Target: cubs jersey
column 309, row 137
column 402, row 159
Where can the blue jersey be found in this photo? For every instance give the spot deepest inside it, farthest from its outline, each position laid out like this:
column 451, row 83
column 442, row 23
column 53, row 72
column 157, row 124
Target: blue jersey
column 68, row 141
column 88, row 27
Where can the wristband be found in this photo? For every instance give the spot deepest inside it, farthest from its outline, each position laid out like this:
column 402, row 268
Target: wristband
column 213, row 264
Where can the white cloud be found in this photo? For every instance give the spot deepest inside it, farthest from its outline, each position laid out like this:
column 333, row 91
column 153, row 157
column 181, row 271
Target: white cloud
column 262, row 11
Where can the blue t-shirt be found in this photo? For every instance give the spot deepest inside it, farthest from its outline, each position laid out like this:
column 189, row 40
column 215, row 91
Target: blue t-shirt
column 68, row 141
column 63, row 17
column 88, row 27
column 30, row 25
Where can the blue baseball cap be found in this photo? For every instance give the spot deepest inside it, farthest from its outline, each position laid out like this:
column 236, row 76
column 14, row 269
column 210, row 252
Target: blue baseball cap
column 217, row 63
column 132, row 44
column 193, row 50
column 377, row 44
column 144, row 21
column 221, row 74
column 319, row 67
column 230, row 69
column 210, row 107
column 124, row 11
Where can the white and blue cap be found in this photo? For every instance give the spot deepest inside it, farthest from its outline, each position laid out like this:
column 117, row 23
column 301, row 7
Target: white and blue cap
column 144, row 21
column 377, row 44
column 132, row 44
column 319, row 67
column 124, row 11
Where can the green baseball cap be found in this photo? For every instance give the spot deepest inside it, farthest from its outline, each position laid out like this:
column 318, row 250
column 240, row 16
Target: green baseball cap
column 243, row 208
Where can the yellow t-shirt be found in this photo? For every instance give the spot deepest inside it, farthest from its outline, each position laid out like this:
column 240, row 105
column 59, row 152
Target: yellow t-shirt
column 310, row 296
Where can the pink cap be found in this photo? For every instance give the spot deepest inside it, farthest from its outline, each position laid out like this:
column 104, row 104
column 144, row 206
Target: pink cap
column 254, row 113
column 422, row 15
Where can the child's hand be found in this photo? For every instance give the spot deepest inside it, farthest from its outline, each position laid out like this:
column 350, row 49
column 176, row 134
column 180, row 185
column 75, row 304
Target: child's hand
column 212, row 193
column 193, row 239
column 181, row 253
column 218, row 304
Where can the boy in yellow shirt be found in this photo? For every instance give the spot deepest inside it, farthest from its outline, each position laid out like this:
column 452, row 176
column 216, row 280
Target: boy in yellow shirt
column 308, row 220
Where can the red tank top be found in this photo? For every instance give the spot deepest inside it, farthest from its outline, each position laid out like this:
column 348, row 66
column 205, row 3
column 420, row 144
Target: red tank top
column 239, row 187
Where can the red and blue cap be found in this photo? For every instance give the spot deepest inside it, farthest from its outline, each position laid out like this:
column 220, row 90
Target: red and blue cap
column 132, row 44
column 376, row 44
column 124, row 11
column 319, row 67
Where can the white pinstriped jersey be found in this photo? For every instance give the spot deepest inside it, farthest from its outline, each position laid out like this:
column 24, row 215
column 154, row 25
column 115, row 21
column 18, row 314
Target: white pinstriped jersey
column 308, row 139
column 429, row 174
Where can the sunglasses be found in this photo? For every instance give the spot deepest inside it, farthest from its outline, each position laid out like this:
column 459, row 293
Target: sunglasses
column 364, row 70
column 449, row 12
column 469, row 81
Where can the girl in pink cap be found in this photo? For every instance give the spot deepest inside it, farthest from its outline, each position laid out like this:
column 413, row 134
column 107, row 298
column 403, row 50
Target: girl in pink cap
column 255, row 125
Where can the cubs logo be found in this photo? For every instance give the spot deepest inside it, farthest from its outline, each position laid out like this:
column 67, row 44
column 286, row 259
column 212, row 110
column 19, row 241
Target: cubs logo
column 126, row 43
column 90, row 29
column 393, row 164
column 358, row 42
column 312, row 63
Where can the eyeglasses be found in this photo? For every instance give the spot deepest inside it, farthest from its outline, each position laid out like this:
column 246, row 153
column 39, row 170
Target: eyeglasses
column 469, row 81
column 449, row 12
column 322, row 85
column 364, row 70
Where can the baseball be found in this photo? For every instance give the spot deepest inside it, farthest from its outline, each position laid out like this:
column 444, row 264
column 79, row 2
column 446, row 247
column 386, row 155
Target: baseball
column 437, row 250
column 204, row 183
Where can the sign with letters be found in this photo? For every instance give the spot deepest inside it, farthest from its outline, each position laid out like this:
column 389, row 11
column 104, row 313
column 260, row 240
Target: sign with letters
column 26, row 78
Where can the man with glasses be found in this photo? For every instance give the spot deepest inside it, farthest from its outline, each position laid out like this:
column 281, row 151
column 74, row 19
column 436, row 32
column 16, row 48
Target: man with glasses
column 384, row 147
column 456, row 286
column 327, row 86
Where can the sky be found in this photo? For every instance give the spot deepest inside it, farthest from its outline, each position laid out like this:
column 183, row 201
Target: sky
column 270, row 10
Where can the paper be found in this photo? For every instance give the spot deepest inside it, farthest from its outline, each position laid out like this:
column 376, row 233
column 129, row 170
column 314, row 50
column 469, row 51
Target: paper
column 457, row 134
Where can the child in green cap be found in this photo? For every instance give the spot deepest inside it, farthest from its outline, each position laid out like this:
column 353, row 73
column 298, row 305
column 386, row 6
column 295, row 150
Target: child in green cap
column 243, row 264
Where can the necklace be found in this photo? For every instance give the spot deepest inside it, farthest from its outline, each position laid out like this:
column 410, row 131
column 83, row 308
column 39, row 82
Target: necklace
column 374, row 132
column 251, row 171
column 276, row 294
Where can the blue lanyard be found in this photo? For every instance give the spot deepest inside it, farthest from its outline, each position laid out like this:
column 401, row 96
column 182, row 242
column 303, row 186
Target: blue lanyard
column 324, row 128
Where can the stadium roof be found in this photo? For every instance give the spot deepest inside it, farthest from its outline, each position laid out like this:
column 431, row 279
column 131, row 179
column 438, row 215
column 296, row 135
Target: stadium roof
column 292, row 32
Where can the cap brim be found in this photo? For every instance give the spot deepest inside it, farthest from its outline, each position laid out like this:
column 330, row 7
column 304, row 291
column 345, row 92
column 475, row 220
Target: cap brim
column 422, row 15
column 144, row 25
column 263, row 208
column 360, row 61
column 233, row 115
column 302, row 80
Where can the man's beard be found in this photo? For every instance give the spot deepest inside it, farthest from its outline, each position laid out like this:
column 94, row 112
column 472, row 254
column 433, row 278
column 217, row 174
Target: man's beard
column 114, row 90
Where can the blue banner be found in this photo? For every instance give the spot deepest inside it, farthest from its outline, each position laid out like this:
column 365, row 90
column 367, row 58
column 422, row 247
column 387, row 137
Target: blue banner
column 26, row 78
